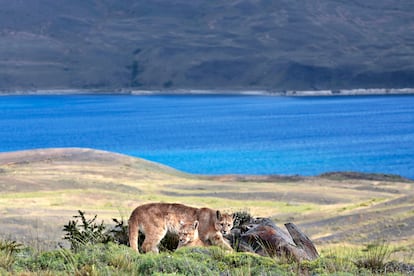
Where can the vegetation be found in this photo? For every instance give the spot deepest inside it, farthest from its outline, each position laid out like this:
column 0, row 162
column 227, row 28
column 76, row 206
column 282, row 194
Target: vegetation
column 96, row 249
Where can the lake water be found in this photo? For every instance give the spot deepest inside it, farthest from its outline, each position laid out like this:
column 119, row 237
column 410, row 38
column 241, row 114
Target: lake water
column 223, row 134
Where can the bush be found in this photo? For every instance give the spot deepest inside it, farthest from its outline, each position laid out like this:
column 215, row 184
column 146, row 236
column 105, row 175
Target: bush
column 8, row 250
column 119, row 233
column 241, row 217
column 88, row 232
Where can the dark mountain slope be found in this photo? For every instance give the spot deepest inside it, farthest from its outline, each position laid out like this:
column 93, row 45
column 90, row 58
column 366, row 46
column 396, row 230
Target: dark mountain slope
column 243, row 44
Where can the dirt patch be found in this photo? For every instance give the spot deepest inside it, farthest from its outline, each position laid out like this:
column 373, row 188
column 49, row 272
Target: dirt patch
column 256, row 178
column 376, row 189
column 369, row 224
column 276, row 196
column 365, row 176
column 46, row 233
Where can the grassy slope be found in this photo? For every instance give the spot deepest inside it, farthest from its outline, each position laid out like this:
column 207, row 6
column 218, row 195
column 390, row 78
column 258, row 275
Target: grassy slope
column 43, row 189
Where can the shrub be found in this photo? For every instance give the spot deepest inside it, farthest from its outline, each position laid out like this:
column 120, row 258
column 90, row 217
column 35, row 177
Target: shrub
column 11, row 247
column 88, row 232
column 241, row 217
column 119, row 233
column 8, row 250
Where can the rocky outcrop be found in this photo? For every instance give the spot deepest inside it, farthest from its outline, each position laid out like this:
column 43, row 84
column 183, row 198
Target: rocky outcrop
column 262, row 236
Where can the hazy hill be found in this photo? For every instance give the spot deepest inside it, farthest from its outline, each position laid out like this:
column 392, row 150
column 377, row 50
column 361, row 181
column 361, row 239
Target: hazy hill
column 243, row 44
column 42, row 189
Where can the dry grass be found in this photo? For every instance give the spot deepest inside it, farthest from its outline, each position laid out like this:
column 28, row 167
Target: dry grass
column 43, row 189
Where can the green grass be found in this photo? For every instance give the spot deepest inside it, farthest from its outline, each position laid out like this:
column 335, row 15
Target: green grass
column 114, row 259
column 366, row 203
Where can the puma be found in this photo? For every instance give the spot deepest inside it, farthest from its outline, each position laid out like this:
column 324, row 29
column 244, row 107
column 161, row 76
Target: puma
column 188, row 235
column 154, row 220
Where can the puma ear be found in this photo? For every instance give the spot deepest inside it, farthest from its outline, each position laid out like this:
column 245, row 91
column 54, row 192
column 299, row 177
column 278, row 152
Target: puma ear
column 218, row 214
column 195, row 224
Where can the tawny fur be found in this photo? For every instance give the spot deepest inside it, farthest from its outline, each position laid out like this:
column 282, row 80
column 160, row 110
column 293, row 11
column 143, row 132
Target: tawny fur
column 154, row 220
column 188, row 235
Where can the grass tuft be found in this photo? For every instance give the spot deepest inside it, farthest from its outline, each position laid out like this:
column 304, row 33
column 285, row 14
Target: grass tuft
column 374, row 257
column 8, row 251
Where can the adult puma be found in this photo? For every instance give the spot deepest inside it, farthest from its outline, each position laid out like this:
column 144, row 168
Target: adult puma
column 154, row 220
column 188, row 235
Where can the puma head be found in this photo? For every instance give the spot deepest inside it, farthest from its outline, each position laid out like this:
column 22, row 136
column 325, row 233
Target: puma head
column 188, row 232
column 224, row 222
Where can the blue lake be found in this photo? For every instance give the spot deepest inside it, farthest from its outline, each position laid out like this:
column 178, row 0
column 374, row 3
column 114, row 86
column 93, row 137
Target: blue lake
column 223, row 134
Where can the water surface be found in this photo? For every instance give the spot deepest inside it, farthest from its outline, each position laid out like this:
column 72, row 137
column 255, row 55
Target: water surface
column 223, row 134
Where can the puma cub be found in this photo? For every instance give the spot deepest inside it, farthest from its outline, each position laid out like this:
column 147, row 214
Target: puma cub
column 154, row 220
column 188, row 235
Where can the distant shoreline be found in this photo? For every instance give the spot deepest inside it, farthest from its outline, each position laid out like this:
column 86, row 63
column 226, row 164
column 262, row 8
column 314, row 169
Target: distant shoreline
column 288, row 93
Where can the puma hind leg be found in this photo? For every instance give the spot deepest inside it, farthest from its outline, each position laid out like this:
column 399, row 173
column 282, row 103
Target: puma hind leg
column 152, row 239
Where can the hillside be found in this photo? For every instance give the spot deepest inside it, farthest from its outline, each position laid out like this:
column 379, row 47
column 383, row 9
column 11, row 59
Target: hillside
column 177, row 44
column 43, row 189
